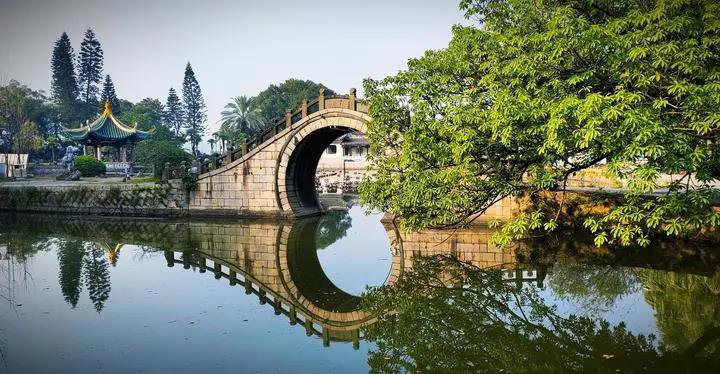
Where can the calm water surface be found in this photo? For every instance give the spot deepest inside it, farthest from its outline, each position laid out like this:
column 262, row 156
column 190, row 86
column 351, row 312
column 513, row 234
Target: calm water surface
column 119, row 295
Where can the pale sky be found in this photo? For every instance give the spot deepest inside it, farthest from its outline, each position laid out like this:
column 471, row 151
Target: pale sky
column 235, row 47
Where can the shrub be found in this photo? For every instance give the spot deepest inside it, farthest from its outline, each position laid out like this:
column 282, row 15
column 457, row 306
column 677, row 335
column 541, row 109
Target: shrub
column 89, row 166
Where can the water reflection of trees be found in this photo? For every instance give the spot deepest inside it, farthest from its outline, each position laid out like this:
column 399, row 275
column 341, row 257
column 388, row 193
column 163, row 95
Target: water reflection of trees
column 594, row 287
column 452, row 316
column 331, row 228
column 70, row 255
column 687, row 309
column 81, row 264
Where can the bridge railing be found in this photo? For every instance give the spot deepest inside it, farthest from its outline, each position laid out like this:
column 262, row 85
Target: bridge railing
column 349, row 101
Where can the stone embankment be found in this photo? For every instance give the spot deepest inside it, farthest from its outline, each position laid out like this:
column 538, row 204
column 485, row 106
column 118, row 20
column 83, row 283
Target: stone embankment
column 116, row 199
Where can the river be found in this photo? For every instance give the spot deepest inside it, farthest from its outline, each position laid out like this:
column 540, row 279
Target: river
column 125, row 295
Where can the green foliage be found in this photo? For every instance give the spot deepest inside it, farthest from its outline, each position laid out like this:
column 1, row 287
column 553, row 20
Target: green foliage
column 90, row 64
column 153, row 154
column 174, row 113
column 28, row 138
column 148, row 115
column 190, row 182
column 241, row 120
column 19, row 106
column 276, row 99
column 96, row 273
column 89, row 166
column 108, row 95
column 71, row 256
column 544, row 89
column 444, row 315
column 64, row 85
column 687, row 307
column 194, row 105
column 331, row 228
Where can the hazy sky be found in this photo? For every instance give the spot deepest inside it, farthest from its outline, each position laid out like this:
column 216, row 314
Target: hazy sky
column 235, row 47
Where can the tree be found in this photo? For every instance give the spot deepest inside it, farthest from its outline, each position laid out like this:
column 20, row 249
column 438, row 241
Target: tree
column 148, row 115
column 542, row 90
column 444, row 315
column 64, row 84
column 90, row 65
column 71, row 256
column 174, row 114
column 97, row 275
column 212, row 142
column 28, row 138
column 241, row 120
column 686, row 307
column 153, row 154
column 108, row 94
column 194, row 109
column 222, row 136
column 18, row 105
column 276, row 99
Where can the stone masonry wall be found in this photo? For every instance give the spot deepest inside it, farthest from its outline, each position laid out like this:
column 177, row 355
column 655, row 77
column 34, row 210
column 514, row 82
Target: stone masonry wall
column 101, row 199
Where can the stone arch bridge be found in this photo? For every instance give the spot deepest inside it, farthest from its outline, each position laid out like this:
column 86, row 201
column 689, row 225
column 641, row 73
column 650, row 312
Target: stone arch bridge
column 274, row 175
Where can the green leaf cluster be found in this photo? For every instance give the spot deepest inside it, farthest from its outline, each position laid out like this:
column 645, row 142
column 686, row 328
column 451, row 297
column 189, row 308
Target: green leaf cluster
column 539, row 90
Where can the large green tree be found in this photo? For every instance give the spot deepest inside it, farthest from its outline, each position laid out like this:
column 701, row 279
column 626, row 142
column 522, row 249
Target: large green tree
column 194, row 106
column 148, row 115
column 23, row 112
column 90, row 65
column 174, row 113
column 64, row 84
column 539, row 90
column 276, row 99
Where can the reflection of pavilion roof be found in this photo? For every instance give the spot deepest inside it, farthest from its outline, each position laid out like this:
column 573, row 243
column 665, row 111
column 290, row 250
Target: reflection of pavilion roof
column 106, row 130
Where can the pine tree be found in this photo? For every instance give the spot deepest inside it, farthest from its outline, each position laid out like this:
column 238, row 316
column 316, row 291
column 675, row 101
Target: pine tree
column 64, row 83
column 108, row 93
column 194, row 109
column 90, row 64
column 71, row 256
column 97, row 276
column 174, row 113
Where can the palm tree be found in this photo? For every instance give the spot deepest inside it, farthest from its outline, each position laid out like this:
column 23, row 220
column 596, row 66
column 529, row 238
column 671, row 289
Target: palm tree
column 240, row 119
column 221, row 137
column 212, row 142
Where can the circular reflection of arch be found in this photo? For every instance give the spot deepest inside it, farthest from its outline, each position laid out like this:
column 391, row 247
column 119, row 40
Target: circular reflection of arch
column 302, row 289
column 299, row 156
column 302, row 277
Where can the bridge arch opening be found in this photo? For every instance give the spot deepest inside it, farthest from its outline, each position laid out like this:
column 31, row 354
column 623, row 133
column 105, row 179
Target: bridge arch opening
column 303, row 163
column 301, row 195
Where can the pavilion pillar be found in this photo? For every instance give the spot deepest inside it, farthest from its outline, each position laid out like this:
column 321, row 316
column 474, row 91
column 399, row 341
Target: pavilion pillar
column 98, row 152
column 122, row 153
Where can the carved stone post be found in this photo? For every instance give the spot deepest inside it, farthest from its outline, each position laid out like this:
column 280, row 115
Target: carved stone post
column 304, row 108
column 166, row 172
column 352, row 99
column 183, row 170
column 321, row 99
column 288, row 118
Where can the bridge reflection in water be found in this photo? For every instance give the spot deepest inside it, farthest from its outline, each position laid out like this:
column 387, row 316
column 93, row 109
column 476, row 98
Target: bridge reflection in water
column 277, row 261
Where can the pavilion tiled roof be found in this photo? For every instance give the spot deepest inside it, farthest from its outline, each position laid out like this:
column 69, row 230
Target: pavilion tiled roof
column 106, row 130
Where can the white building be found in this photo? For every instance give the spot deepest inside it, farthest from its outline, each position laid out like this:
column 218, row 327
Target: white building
column 343, row 165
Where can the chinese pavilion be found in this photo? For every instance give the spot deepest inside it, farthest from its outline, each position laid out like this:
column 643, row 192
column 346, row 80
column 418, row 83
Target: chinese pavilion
column 107, row 130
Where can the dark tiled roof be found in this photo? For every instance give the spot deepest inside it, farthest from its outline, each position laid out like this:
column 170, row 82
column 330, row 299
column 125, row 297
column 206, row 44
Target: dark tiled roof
column 106, row 129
